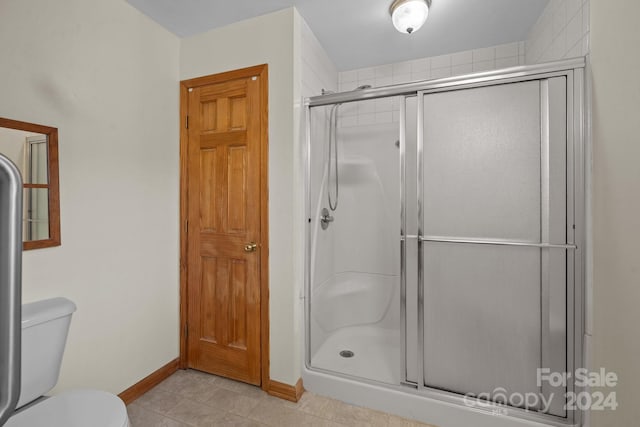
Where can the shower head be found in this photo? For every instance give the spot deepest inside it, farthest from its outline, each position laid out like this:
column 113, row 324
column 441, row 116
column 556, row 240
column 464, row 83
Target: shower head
column 363, row 87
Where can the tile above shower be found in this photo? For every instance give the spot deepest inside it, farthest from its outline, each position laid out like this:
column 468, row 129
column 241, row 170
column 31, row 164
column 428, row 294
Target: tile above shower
column 386, row 110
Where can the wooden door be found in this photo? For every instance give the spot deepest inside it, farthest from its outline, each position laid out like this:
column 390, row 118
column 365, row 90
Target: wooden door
column 224, row 211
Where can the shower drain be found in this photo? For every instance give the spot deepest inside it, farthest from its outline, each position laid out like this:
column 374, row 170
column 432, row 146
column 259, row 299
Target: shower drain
column 346, row 353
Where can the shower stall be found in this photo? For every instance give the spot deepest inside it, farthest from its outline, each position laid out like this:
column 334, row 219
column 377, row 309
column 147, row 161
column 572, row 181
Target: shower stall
column 445, row 246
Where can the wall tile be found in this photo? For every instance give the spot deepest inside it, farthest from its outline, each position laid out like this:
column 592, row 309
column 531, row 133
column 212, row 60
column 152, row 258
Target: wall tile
column 561, row 32
column 401, row 78
column 422, row 75
column 462, row 58
column 506, row 50
column 384, row 104
column 366, row 119
column 559, row 19
column 559, row 47
column 366, row 107
column 574, row 30
column 318, row 71
column 484, row 54
column 440, row 73
column 348, row 76
column 440, row 61
column 484, row 65
column 386, row 117
column 402, row 68
column 573, row 6
column 507, row 62
column 383, row 71
column 575, row 51
column 349, row 109
column 420, row 65
column 586, row 16
column 366, row 74
column 546, row 38
column 347, row 121
column 458, row 70
column 383, row 81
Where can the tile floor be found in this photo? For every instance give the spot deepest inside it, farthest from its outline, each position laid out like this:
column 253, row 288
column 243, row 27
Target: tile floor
column 192, row 398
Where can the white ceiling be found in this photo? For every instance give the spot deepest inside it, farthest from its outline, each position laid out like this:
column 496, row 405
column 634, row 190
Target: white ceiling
column 359, row 33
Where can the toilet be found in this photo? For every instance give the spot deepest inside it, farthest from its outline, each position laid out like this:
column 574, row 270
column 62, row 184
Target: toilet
column 44, row 333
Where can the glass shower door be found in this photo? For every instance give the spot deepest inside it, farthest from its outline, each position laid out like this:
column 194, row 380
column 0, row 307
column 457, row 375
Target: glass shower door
column 492, row 241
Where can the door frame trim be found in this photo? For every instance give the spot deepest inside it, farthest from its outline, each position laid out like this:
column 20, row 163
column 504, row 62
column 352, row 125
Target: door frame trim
column 262, row 72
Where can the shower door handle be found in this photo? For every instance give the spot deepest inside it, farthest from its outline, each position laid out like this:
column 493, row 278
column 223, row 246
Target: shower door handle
column 251, row 247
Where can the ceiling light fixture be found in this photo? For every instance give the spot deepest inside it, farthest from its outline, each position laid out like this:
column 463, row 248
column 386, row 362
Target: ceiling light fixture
column 409, row 15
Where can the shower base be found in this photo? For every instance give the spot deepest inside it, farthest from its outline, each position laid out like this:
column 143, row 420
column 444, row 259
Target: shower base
column 376, row 353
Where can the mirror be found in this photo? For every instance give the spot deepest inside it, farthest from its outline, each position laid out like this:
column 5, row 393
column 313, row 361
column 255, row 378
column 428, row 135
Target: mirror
column 34, row 150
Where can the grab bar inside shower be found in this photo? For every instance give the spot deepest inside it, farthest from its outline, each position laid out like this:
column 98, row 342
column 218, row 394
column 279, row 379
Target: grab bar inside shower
column 10, row 286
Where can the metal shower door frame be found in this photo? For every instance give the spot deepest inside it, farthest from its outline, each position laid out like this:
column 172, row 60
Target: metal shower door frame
column 574, row 71
column 575, row 228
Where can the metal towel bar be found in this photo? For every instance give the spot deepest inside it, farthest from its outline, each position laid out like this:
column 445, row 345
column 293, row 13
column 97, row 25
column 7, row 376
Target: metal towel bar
column 491, row 242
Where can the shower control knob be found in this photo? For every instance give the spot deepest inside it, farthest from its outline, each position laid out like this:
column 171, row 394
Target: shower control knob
column 325, row 219
column 250, row 247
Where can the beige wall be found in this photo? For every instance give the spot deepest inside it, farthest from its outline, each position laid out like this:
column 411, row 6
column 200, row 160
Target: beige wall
column 615, row 37
column 267, row 39
column 107, row 77
column 12, row 144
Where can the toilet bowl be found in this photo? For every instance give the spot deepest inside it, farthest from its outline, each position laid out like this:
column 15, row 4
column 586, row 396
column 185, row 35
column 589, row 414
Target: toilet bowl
column 44, row 334
column 76, row 408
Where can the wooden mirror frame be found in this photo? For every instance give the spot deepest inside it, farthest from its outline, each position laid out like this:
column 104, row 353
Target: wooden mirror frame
column 53, row 183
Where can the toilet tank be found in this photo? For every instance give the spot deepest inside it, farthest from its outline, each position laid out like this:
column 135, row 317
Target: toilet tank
column 45, row 325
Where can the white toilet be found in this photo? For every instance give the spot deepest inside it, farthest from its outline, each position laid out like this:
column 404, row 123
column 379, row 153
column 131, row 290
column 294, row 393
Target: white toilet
column 44, row 333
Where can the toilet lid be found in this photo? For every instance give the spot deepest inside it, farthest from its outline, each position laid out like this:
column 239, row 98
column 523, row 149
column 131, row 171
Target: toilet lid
column 77, row 408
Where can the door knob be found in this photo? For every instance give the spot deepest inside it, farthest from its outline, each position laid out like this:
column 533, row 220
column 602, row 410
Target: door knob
column 250, row 247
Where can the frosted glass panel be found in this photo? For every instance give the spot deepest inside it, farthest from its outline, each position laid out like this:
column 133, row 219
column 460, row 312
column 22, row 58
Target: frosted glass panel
column 495, row 168
column 482, row 162
column 482, row 317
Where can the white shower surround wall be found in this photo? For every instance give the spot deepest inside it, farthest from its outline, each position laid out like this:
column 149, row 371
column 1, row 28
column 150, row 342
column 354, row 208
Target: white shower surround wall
column 355, row 262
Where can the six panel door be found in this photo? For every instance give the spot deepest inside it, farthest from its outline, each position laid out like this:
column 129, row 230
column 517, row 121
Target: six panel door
column 224, row 229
